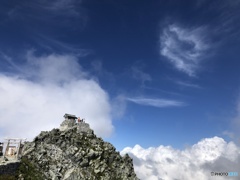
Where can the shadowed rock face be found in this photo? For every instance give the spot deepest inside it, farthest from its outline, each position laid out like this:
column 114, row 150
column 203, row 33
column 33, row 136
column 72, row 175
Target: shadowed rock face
column 75, row 153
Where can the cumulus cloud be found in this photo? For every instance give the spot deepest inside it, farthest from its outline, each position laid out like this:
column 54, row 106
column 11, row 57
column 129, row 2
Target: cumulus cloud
column 51, row 86
column 196, row 162
column 156, row 102
column 184, row 47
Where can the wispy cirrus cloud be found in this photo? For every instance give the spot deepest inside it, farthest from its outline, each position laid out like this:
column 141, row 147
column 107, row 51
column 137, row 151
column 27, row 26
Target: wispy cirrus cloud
column 38, row 21
column 35, row 15
column 225, row 15
column 187, row 84
column 140, row 75
column 61, row 4
column 184, row 47
column 51, row 44
column 160, row 103
column 67, row 8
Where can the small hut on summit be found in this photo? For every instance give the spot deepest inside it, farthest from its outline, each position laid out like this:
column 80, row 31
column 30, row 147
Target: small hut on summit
column 70, row 121
column 69, row 117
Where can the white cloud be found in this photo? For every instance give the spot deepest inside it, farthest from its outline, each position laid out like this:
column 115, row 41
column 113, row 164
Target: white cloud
column 119, row 106
column 196, row 162
column 53, row 85
column 140, row 75
column 156, row 102
column 51, row 44
column 58, row 7
column 187, row 84
column 68, row 13
column 183, row 47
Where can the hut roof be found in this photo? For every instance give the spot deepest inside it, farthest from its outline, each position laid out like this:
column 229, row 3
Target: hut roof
column 70, row 116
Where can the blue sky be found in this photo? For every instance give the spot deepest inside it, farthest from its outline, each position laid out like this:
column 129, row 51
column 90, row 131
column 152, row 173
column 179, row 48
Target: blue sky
column 158, row 79
column 164, row 72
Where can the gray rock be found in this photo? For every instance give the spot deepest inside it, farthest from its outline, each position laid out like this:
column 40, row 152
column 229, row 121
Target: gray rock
column 74, row 152
column 84, row 163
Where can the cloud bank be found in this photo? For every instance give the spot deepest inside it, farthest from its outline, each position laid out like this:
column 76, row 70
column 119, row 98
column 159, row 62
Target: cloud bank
column 51, row 86
column 184, row 47
column 196, row 162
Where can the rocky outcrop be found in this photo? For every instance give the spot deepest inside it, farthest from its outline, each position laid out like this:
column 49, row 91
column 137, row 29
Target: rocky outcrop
column 74, row 152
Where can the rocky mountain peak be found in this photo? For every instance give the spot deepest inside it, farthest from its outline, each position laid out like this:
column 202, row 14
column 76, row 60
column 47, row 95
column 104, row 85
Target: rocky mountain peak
column 73, row 152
